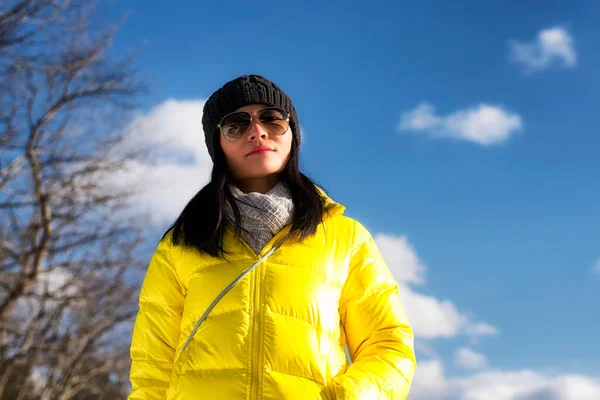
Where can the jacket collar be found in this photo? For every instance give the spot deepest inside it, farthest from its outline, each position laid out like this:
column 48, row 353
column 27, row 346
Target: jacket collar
column 333, row 208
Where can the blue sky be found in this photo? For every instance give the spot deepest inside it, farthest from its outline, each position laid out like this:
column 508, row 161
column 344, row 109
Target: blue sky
column 506, row 231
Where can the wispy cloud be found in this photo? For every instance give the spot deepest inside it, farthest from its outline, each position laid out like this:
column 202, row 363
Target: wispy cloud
column 484, row 124
column 470, row 359
column 552, row 46
column 431, row 382
column 402, row 258
column 424, row 347
column 527, row 385
column 176, row 165
column 482, row 329
column 430, row 317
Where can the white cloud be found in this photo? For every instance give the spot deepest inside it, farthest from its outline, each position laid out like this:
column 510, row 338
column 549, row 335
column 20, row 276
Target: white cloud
column 51, row 289
column 58, row 281
column 527, row 385
column 401, row 256
column 432, row 383
column 433, row 318
column 424, row 347
column 470, row 359
column 39, row 378
column 552, row 46
column 485, row 124
column 430, row 317
column 481, row 329
column 177, row 163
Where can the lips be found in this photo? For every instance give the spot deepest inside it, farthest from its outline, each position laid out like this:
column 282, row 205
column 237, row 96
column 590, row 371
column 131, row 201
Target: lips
column 260, row 149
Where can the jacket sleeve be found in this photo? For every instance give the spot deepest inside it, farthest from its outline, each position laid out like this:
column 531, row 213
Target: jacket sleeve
column 157, row 327
column 379, row 337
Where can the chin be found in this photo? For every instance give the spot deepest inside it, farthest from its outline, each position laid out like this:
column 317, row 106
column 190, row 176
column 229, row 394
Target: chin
column 260, row 174
column 261, row 171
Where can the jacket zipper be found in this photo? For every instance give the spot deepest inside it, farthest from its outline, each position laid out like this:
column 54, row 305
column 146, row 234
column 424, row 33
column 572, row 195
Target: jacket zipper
column 256, row 355
column 257, row 334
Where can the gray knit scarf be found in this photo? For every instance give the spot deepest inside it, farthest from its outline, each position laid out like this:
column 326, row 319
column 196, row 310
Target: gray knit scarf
column 263, row 215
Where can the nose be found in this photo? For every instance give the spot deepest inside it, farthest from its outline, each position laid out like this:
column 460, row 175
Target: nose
column 256, row 130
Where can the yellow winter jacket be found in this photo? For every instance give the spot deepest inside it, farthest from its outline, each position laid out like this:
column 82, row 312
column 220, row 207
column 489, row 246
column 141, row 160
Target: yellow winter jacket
column 281, row 332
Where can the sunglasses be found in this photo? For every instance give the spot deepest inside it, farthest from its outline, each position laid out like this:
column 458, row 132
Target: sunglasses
column 235, row 125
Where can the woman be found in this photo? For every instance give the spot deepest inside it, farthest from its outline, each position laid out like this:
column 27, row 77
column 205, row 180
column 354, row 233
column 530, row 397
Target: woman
column 261, row 283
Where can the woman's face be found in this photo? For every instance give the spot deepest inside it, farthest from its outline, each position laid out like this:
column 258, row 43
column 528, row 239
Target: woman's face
column 258, row 154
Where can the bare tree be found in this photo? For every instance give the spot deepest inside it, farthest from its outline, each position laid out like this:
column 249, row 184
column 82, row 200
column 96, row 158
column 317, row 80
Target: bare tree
column 67, row 248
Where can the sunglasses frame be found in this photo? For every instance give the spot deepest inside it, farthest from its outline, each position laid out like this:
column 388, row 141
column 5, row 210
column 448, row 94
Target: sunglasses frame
column 287, row 119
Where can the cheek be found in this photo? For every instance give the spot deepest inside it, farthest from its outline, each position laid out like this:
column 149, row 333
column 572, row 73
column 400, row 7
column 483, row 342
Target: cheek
column 223, row 143
column 234, row 156
column 229, row 149
column 286, row 145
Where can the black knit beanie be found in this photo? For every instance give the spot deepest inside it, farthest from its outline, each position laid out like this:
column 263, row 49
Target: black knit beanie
column 240, row 92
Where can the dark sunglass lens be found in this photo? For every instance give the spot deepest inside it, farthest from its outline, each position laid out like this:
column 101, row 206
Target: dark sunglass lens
column 274, row 120
column 234, row 126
